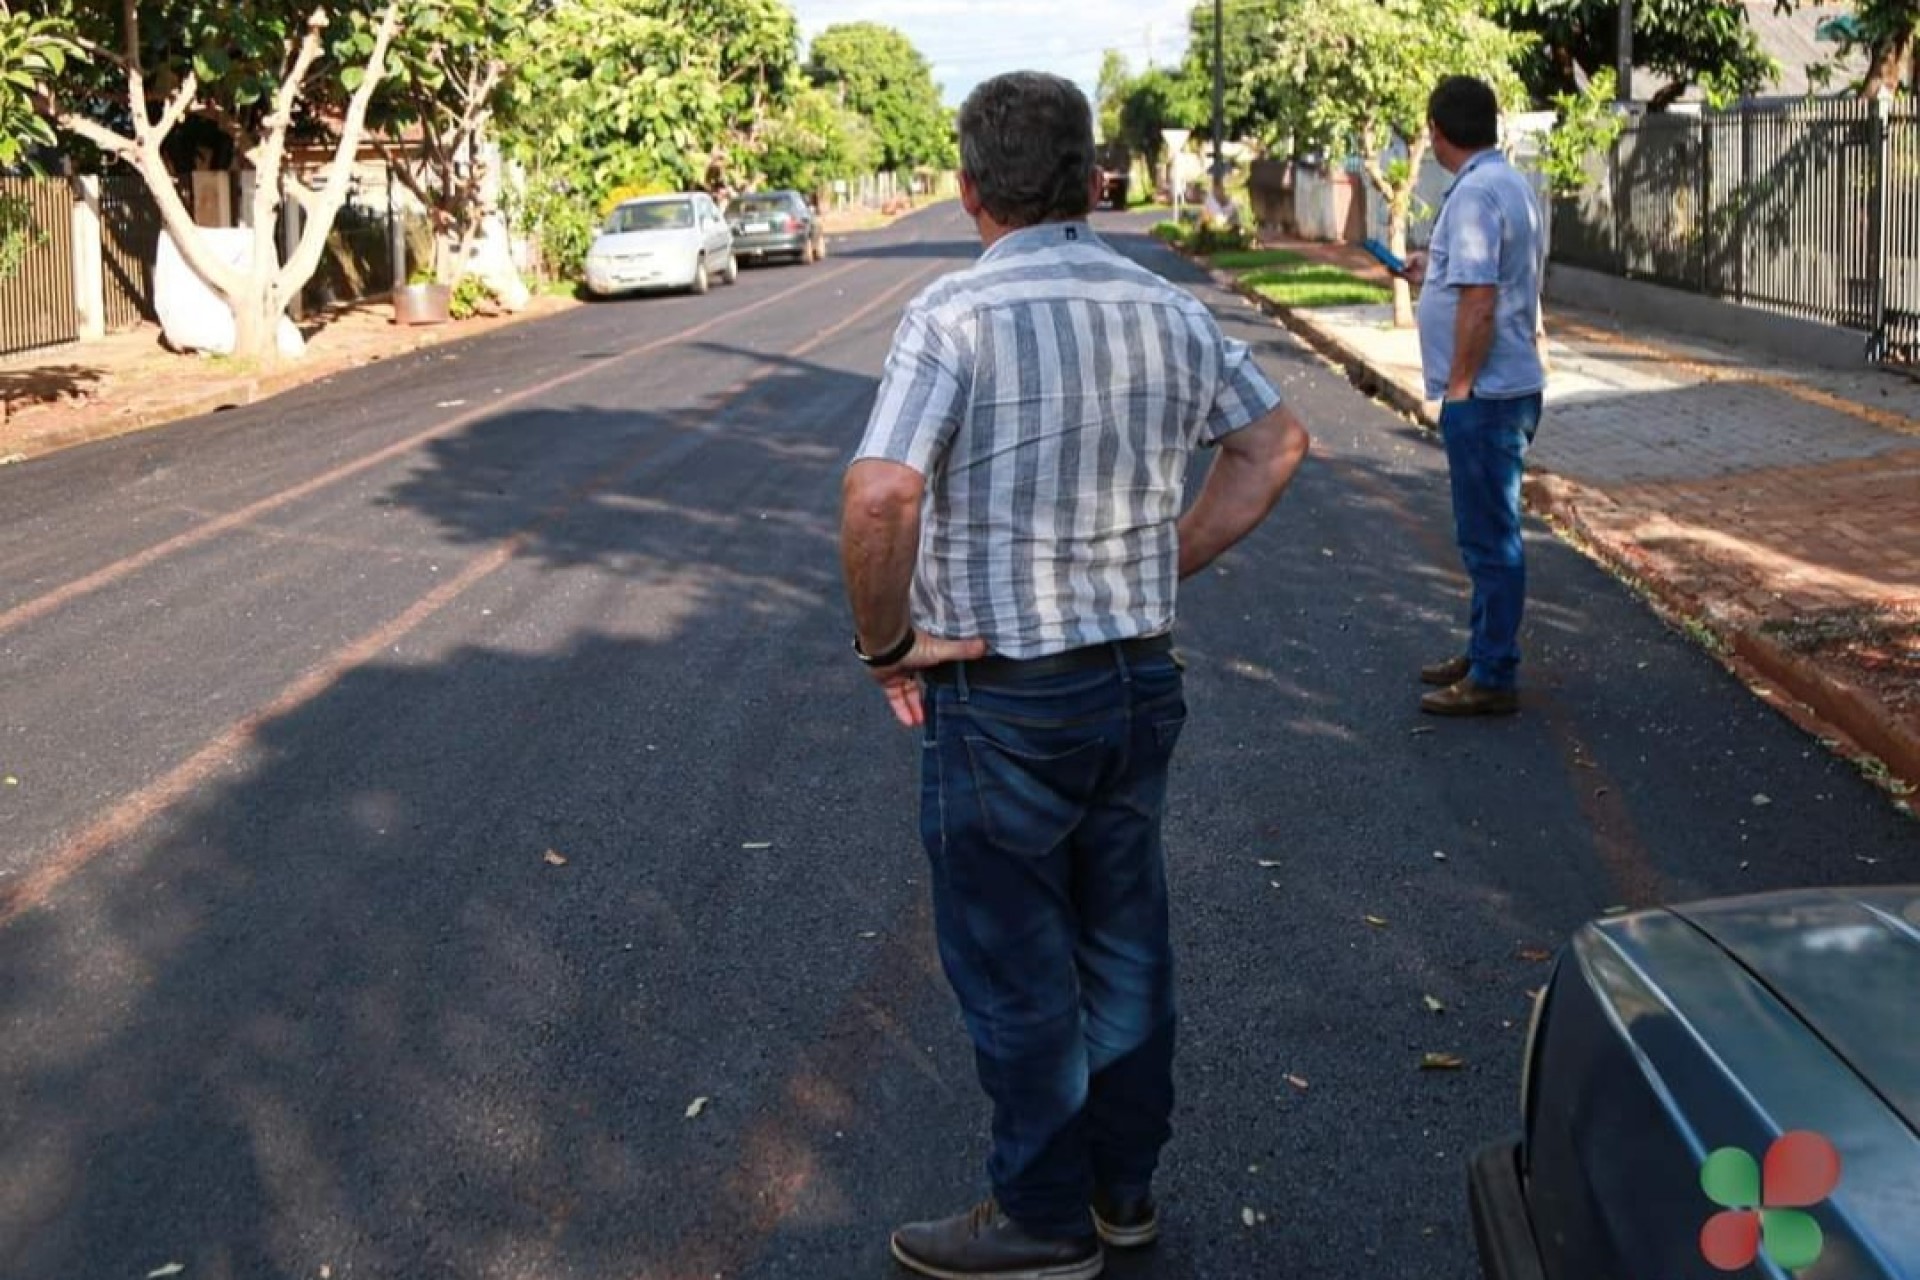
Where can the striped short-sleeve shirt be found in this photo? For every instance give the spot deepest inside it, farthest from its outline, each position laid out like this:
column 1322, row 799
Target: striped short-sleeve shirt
column 1051, row 395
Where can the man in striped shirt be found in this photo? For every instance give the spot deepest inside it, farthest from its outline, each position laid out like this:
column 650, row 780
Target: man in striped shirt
column 1012, row 539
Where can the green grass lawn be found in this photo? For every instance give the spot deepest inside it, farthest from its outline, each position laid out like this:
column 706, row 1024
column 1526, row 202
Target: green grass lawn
column 1253, row 259
column 1294, row 281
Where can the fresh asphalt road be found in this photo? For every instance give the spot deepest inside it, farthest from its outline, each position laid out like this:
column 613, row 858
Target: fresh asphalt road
column 299, row 698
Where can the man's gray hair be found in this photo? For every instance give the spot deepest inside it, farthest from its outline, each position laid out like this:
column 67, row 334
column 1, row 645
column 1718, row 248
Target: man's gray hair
column 1026, row 140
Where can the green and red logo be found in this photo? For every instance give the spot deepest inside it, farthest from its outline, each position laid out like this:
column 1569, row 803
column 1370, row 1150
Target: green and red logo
column 1763, row 1206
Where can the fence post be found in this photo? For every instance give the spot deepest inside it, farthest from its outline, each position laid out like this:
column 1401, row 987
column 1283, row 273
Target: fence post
column 89, row 269
column 1705, row 213
column 1743, row 201
column 396, row 237
column 1877, row 246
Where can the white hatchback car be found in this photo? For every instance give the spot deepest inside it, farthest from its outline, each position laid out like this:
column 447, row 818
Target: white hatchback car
column 662, row 242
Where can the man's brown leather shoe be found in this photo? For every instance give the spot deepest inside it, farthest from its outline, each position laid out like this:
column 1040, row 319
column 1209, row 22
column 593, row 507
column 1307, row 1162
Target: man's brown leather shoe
column 1452, row 671
column 1130, row 1222
column 1465, row 698
column 985, row 1244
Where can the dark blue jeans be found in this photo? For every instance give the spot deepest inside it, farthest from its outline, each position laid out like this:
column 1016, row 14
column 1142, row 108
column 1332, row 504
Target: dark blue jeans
column 1486, row 451
column 1040, row 809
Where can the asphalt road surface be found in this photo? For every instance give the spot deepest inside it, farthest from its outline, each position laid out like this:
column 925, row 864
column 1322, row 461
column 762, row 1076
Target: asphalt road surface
column 302, row 705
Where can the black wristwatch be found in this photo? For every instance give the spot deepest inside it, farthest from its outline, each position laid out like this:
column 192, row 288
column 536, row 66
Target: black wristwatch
column 891, row 656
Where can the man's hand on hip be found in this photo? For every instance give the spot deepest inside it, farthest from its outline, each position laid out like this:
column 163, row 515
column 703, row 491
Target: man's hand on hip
column 901, row 681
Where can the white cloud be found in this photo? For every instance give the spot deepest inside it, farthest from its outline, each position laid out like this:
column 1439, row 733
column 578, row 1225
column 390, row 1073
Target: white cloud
column 970, row 40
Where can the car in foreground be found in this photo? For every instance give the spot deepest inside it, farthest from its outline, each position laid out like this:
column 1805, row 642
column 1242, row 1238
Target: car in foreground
column 1725, row 1087
column 673, row 242
column 770, row 225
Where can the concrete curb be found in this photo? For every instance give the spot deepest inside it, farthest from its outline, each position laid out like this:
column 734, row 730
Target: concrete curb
column 1827, row 705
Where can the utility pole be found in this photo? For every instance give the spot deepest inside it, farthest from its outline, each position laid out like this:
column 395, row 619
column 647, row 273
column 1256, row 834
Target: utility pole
column 1220, row 106
column 1623, row 90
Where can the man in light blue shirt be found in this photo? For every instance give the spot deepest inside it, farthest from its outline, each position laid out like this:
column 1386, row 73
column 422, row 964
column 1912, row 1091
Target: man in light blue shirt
column 1479, row 313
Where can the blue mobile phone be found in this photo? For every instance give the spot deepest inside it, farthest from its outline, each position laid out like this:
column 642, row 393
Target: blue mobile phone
column 1390, row 260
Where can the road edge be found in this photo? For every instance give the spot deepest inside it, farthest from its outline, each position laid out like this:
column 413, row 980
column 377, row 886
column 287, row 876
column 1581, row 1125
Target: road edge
column 1832, row 709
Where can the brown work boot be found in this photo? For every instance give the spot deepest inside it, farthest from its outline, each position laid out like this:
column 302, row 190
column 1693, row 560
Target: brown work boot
column 1130, row 1222
column 1452, row 671
column 1465, row 698
column 986, row 1243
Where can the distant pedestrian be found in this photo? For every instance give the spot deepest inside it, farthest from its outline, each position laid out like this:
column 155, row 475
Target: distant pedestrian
column 1012, row 539
column 1479, row 331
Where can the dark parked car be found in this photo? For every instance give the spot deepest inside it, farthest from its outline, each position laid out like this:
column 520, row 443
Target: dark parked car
column 776, row 224
column 1668, row 1043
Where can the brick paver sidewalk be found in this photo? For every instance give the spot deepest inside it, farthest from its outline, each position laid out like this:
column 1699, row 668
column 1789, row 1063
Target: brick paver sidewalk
column 1778, row 505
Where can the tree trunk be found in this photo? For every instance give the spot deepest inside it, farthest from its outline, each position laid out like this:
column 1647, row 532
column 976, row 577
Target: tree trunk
column 1397, row 241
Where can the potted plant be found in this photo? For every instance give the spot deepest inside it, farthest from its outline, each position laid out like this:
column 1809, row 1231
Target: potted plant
column 422, row 300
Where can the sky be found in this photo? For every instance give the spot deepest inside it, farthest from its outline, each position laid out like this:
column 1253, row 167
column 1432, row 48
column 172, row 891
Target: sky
column 969, row 40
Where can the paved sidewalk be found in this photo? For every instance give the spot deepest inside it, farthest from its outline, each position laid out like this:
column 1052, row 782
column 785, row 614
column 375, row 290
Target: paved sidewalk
column 1777, row 506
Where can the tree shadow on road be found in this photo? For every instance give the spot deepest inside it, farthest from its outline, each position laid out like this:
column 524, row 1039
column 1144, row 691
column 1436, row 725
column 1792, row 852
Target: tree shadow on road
column 428, row 981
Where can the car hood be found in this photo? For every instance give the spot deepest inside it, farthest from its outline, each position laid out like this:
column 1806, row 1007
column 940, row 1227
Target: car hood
column 645, row 241
column 1846, row 963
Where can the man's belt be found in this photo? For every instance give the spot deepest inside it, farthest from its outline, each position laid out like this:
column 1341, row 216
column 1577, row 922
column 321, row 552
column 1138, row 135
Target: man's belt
column 1093, row 657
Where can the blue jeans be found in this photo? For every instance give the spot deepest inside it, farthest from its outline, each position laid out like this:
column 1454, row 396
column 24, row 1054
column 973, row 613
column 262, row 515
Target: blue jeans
column 1040, row 808
column 1486, row 451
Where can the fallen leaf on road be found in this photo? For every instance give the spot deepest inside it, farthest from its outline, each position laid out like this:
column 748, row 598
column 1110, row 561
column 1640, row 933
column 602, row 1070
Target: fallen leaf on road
column 1433, row 1005
column 1376, row 921
column 1762, row 800
column 1296, row 1081
column 1248, row 1216
column 695, row 1107
column 1441, row 1062
column 1534, row 955
column 160, row 1273
column 554, row 859
column 758, row 844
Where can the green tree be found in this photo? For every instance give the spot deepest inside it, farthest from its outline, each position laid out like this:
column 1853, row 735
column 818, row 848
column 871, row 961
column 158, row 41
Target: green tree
column 1885, row 32
column 34, row 51
column 1357, row 73
column 608, row 94
column 1110, row 93
column 1257, row 106
column 451, row 62
column 1704, row 42
column 1588, row 124
column 880, row 75
column 814, row 140
column 254, row 73
column 1156, row 100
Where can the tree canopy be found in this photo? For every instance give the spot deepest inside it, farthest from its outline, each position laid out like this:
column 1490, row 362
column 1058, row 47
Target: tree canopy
column 1703, row 42
column 880, row 75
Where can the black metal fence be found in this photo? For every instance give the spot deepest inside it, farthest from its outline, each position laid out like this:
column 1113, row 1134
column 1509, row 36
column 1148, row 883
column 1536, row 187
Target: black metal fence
column 1811, row 209
column 37, row 306
column 130, row 242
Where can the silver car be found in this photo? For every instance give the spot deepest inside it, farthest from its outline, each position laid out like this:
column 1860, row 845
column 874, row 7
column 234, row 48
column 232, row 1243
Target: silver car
column 662, row 242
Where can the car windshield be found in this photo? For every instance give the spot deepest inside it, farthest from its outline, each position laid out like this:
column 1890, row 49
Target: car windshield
column 762, row 207
column 656, row 215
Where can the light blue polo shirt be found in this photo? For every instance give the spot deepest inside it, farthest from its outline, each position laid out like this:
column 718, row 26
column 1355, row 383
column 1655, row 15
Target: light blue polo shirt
column 1489, row 232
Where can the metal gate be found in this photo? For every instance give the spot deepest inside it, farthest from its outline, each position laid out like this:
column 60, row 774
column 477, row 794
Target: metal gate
column 37, row 305
column 130, row 241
